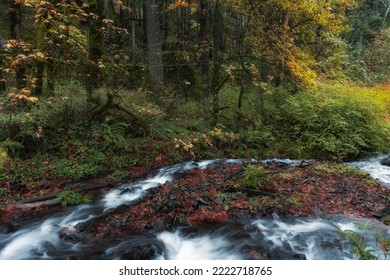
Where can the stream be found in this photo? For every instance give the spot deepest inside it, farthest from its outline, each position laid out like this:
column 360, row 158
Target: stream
column 270, row 238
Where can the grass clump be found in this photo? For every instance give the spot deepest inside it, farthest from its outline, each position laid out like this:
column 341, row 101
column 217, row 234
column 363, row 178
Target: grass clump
column 66, row 198
column 254, row 177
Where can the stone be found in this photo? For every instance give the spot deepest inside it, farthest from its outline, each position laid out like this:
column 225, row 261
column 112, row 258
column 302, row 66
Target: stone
column 385, row 161
column 219, row 200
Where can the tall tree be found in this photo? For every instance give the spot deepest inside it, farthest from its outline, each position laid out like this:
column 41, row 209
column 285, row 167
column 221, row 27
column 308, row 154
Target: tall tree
column 204, row 48
column 95, row 44
column 156, row 66
column 217, row 81
column 15, row 16
column 3, row 85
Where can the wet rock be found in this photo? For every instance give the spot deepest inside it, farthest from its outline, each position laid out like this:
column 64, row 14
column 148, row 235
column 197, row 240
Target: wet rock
column 139, row 253
column 385, row 161
column 70, row 233
column 234, row 195
column 201, row 201
column 203, row 207
column 127, row 190
column 219, row 200
column 159, row 226
column 158, row 206
column 5, row 229
column 355, row 201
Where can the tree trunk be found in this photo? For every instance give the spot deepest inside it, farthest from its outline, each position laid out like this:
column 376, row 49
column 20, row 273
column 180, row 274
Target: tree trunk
column 2, row 80
column 166, row 27
column 40, row 63
column 3, row 85
column 204, row 56
column 156, row 66
column 386, row 13
column 15, row 17
column 133, row 37
column 95, row 46
column 50, row 71
column 217, row 82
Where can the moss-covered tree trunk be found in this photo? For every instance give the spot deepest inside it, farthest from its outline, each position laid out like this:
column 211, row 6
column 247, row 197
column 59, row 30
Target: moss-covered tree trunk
column 40, row 62
column 95, row 45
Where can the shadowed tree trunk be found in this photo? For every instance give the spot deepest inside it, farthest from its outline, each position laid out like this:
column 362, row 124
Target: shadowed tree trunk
column 156, row 66
column 204, row 56
column 217, row 81
column 95, row 45
column 3, row 86
column 40, row 62
column 15, row 17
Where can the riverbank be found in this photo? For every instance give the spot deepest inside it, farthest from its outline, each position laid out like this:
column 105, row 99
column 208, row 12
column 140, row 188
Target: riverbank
column 218, row 194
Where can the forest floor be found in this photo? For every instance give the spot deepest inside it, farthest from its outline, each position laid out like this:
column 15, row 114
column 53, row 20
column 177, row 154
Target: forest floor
column 216, row 195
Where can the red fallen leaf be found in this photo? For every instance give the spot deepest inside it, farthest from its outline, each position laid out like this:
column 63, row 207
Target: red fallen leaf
column 208, row 216
column 45, row 162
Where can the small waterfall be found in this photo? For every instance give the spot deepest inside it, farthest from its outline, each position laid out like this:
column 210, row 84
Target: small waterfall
column 272, row 238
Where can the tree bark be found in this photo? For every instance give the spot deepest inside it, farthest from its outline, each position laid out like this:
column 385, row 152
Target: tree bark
column 204, row 56
column 3, row 85
column 40, row 63
column 95, row 46
column 156, row 66
column 133, row 37
column 15, row 16
column 386, row 13
column 217, row 82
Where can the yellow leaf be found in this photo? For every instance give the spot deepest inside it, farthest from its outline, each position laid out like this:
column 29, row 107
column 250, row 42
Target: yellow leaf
column 25, row 91
column 32, row 99
column 40, row 55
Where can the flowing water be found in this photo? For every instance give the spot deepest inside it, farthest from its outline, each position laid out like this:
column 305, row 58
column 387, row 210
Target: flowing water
column 374, row 167
column 272, row 238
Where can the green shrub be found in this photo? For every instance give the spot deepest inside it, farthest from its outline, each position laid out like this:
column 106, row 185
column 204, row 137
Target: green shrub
column 66, row 198
column 41, row 123
column 256, row 138
column 3, row 157
column 254, row 177
column 334, row 122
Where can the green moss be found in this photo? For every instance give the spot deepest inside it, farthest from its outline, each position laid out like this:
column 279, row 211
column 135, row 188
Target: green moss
column 66, row 198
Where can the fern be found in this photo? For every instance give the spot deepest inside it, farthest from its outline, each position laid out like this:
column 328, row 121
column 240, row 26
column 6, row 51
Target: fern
column 358, row 243
column 115, row 133
column 11, row 146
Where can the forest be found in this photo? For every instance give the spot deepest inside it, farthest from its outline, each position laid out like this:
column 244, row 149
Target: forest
column 95, row 93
